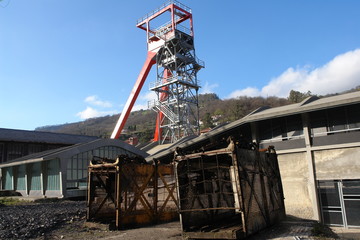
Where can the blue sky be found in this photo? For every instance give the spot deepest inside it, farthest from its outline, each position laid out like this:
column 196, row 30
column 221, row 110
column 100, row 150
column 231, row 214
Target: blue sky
column 65, row 61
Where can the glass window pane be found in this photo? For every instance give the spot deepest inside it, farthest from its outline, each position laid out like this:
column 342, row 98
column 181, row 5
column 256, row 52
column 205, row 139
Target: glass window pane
column 70, row 185
column 337, row 119
column 351, row 187
column 333, row 218
column 69, row 177
column 278, row 128
column 352, row 210
column 318, row 121
column 15, row 150
column 74, row 163
column 294, row 126
column 353, row 114
column 329, row 193
column 1, row 152
column 265, row 130
column 74, row 174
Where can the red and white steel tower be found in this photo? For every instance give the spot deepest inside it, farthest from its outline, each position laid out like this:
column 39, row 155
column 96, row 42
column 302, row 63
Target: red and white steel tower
column 171, row 47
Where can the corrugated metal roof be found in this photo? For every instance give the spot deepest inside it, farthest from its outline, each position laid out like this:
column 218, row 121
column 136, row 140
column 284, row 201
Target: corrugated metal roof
column 42, row 137
column 308, row 105
column 72, row 150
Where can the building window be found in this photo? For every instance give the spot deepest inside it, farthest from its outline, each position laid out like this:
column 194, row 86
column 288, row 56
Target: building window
column 35, row 170
column 330, row 203
column 15, row 150
column 78, row 164
column 340, row 202
column 294, row 127
column 7, row 178
column 20, row 177
column 281, row 129
column 1, row 152
column 52, row 174
column 35, row 148
column 336, row 120
column 351, row 195
column 318, row 121
column 353, row 117
column 77, row 170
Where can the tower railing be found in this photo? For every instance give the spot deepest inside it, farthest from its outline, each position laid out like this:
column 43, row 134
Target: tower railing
column 169, row 81
column 164, row 109
column 167, row 27
column 166, row 4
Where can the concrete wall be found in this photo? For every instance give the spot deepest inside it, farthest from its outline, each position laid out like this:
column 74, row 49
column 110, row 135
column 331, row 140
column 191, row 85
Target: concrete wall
column 295, row 174
column 337, row 163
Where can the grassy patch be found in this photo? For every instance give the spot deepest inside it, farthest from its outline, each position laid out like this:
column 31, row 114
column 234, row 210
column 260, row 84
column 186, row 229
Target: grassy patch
column 11, row 201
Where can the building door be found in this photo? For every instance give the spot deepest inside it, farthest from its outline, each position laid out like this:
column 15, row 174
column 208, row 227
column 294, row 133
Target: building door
column 340, row 202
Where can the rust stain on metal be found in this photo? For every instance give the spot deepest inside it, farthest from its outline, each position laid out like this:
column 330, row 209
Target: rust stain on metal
column 228, row 193
column 130, row 192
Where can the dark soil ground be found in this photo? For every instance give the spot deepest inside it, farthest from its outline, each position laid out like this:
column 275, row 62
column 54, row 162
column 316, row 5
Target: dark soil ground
column 31, row 220
column 64, row 219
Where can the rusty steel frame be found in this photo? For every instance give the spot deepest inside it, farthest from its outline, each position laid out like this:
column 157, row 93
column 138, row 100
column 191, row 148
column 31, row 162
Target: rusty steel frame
column 255, row 200
column 131, row 193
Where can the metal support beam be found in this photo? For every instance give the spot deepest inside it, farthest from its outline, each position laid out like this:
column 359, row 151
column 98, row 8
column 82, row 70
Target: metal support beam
column 150, row 61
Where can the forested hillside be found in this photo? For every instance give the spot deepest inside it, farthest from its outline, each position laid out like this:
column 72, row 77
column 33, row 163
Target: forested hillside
column 213, row 111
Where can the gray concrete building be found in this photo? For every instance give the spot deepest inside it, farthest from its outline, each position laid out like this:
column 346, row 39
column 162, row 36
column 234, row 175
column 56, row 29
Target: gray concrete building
column 16, row 143
column 56, row 172
column 318, row 146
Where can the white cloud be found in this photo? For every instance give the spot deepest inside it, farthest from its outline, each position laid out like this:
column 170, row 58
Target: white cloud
column 249, row 91
column 94, row 100
column 148, row 96
column 339, row 74
column 142, row 101
column 208, row 88
column 90, row 112
column 138, row 107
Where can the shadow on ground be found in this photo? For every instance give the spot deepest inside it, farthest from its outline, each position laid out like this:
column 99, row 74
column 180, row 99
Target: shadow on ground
column 296, row 228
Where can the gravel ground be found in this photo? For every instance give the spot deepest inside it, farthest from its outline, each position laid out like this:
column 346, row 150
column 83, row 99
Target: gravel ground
column 33, row 220
column 67, row 220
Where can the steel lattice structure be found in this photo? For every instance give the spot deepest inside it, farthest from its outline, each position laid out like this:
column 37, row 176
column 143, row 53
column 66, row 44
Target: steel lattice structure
column 171, row 48
column 176, row 88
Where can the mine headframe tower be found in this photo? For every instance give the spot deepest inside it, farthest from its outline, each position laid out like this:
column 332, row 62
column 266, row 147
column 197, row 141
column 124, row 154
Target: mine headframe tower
column 170, row 45
column 176, row 84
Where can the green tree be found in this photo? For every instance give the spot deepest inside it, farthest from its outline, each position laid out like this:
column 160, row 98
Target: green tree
column 296, row 96
column 207, row 121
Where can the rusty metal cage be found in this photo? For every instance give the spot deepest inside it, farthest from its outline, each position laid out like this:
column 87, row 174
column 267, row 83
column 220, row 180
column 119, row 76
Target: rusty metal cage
column 228, row 193
column 131, row 193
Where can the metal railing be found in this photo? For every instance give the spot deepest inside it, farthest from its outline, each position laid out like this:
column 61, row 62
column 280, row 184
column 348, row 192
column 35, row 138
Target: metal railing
column 279, row 139
column 201, row 63
column 334, row 131
column 163, row 29
column 155, row 104
column 167, row 27
column 166, row 4
column 183, row 29
column 164, row 82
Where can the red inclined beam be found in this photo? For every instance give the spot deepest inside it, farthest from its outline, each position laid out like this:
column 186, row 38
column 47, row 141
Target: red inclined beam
column 150, row 61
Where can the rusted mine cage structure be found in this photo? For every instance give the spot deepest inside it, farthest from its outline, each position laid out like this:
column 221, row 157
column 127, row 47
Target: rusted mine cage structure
column 228, row 193
column 131, row 192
